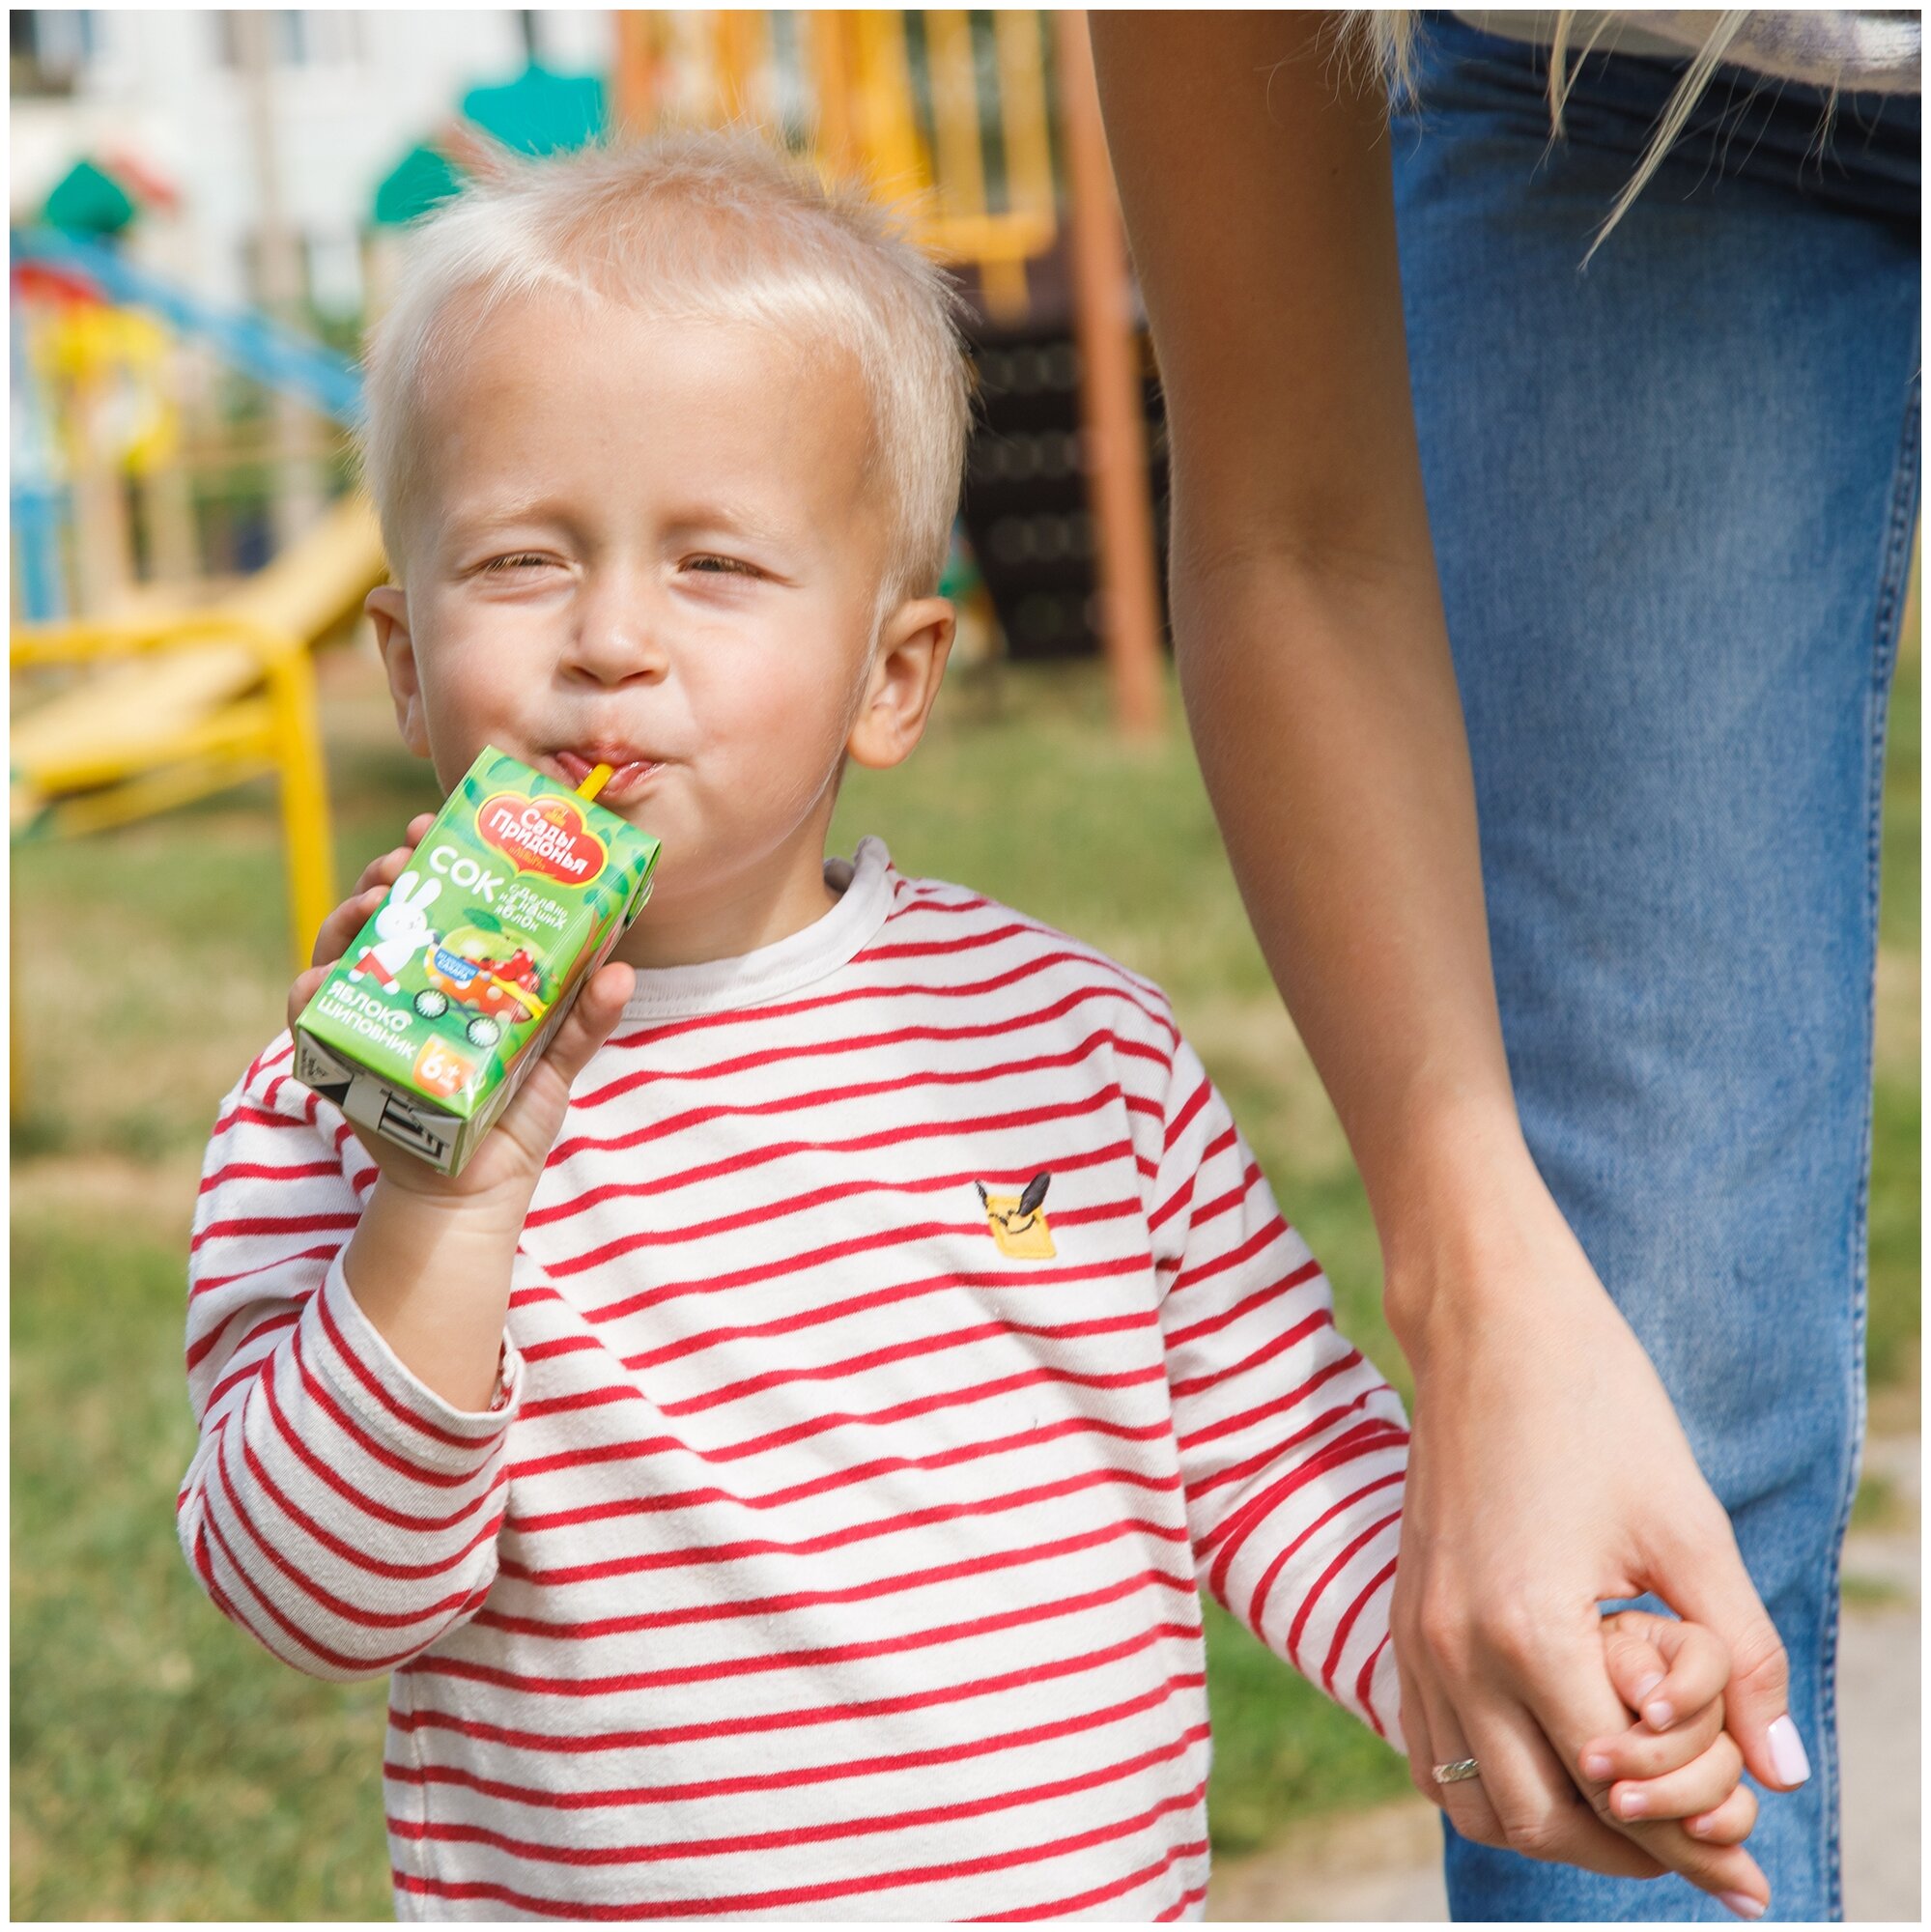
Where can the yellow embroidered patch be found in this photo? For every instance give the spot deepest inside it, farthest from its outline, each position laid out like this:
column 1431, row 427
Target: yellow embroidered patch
column 1026, row 1237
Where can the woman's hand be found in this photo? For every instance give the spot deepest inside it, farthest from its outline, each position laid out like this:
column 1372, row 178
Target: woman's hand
column 1549, row 1472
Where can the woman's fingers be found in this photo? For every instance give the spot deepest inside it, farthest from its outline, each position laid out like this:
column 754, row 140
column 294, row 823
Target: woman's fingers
column 1564, row 1703
column 1538, row 1811
column 1727, row 1872
column 1415, row 1734
column 1466, row 1801
column 1696, row 1568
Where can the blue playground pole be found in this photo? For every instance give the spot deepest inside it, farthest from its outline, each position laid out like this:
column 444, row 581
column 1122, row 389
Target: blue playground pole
column 37, row 501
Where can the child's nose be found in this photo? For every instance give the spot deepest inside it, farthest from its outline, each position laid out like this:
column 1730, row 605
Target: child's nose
column 616, row 639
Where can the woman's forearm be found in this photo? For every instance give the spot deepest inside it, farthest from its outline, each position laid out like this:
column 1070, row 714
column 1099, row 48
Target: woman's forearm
column 1307, row 619
column 1323, row 707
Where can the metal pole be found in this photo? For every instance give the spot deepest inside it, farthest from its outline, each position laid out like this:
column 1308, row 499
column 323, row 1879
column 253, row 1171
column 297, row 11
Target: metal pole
column 1114, row 431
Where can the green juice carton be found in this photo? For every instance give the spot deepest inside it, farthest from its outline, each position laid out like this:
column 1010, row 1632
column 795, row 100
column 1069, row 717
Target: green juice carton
column 449, row 996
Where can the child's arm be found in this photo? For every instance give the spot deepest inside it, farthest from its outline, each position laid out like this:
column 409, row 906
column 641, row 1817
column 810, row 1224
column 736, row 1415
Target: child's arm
column 337, row 1508
column 1292, row 1447
column 431, row 1261
column 344, row 1500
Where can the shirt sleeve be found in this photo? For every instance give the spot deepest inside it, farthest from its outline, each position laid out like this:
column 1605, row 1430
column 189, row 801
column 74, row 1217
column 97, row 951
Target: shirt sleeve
column 1292, row 1447
column 337, row 1508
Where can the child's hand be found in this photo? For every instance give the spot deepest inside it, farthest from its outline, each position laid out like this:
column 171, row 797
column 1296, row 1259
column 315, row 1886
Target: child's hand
column 507, row 1168
column 1677, row 1761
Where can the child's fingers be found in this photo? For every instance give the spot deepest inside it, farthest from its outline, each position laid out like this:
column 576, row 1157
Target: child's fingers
column 1696, row 1660
column 344, row 923
column 1699, row 1786
column 303, row 989
column 1640, row 1752
column 371, row 889
column 1730, row 1822
column 385, row 867
column 1634, row 1661
column 597, row 1009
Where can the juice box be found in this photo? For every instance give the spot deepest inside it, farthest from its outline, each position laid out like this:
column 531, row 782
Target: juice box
column 449, row 996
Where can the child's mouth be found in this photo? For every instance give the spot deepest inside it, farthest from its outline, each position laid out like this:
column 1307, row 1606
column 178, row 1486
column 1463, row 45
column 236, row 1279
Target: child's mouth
column 629, row 774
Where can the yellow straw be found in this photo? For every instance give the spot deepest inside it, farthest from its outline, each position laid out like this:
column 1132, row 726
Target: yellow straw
column 594, row 780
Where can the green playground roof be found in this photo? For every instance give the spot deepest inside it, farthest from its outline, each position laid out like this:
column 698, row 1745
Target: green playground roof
column 420, row 179
column 539, row 112
column 88, row 201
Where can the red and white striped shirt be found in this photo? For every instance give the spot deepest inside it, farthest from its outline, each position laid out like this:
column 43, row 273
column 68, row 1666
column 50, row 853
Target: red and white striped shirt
column 826, row 1555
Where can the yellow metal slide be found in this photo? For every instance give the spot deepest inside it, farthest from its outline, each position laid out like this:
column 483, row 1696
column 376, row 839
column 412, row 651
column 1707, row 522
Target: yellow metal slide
column 170, row 708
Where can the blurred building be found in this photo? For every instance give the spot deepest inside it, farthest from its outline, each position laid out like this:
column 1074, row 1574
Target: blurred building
column 352, row 93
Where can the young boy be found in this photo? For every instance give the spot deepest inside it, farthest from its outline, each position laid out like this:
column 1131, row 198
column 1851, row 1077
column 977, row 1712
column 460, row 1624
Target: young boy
column 780, row 1470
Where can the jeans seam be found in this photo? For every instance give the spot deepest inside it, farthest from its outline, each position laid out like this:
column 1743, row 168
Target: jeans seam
column 1893, row 583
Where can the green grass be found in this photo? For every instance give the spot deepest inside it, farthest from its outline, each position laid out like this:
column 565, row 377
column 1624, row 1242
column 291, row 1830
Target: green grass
column 1897, row 1116
column 163, row 1766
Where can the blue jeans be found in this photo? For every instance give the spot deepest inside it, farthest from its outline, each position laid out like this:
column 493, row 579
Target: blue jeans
column 1672, row 501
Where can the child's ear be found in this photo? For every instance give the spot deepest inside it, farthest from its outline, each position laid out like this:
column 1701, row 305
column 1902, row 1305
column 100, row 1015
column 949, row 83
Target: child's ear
column 907, row 667
column 388, row 608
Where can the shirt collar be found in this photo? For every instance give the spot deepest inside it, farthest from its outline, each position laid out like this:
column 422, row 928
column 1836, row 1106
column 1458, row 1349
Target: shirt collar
column 750, row 978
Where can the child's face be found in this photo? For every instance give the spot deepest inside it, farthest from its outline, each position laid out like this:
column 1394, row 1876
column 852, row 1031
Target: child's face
column 654, row 546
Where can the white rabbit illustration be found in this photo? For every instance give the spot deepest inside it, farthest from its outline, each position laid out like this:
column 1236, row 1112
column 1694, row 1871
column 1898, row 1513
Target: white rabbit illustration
column 402, row 929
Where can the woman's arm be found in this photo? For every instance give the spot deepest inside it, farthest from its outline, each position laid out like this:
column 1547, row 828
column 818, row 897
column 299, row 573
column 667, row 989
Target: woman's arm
column 1549, row 1468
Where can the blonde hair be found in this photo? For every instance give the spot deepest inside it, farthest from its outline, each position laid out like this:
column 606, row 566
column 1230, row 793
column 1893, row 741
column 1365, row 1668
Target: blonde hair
column 700, row 226
column 1385, row 38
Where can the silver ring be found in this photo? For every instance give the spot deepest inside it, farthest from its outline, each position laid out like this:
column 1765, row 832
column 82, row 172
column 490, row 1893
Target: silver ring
column 1454, row 1774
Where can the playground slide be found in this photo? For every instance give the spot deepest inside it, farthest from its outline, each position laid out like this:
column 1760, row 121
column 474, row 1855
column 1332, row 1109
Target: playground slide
column 113, row 722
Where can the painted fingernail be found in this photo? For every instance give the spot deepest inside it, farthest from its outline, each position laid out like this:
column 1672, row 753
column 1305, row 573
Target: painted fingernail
column 1597, row 1766
column 1787, row 1754
column 1743, row 1904
column 1648, row 1685
column 1632, row 1803
column 1660, row 1714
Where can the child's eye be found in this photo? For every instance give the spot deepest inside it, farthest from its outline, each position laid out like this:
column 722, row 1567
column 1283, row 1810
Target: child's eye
column 499, row 563
column 724, row 566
